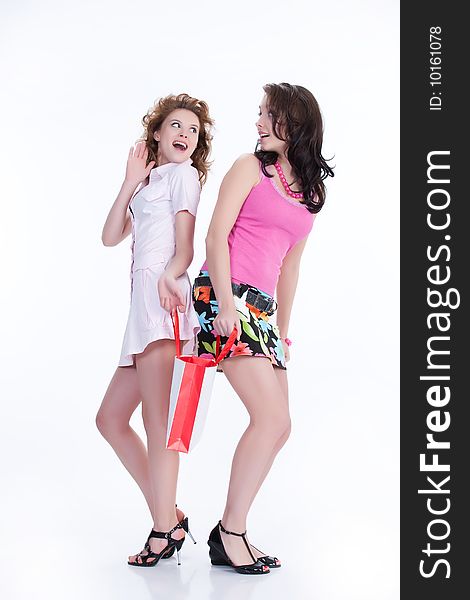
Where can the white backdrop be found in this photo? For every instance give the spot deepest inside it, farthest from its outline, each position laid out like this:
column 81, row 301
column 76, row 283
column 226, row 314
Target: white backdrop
column 77, row 78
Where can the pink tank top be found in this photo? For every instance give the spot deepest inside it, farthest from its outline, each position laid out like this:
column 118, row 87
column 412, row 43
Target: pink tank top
column 266, row 228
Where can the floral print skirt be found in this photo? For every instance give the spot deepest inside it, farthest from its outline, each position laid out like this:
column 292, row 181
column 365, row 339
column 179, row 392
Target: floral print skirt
column 260, row 334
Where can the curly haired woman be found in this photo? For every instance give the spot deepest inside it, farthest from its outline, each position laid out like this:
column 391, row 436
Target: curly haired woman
column 169, row 165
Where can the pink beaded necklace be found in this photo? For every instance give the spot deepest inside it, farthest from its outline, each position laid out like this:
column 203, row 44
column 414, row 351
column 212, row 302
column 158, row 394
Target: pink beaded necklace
column 285, row 185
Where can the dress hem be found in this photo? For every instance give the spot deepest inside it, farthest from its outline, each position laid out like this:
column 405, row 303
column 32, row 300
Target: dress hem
column 161, row 332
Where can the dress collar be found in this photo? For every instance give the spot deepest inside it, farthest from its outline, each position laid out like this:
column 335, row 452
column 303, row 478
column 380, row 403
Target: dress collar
column 162, row 170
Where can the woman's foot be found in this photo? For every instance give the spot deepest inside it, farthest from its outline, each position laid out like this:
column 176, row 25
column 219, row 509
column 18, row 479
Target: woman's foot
column 256, row 552
column 225, row 551
column 170, row 543
column 236, row 549
column 157, row 545
column 272, row 561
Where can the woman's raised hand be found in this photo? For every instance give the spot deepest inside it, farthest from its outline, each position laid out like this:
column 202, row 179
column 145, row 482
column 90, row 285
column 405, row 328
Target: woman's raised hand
column 137, row 169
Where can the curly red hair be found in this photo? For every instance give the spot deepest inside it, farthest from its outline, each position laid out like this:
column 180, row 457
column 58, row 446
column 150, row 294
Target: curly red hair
column 154, row 118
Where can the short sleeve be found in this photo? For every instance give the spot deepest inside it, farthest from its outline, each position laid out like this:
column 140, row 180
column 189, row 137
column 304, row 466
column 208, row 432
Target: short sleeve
column 185, row 189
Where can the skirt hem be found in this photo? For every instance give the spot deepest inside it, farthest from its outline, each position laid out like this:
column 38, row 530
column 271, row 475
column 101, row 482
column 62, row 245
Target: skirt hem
column 161, row 332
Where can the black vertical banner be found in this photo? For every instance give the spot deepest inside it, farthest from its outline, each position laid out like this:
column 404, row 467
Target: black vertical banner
column 435, row 359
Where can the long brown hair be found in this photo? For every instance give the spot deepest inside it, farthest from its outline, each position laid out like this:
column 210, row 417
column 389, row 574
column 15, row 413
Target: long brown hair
column 154, row 118
column 297, row 120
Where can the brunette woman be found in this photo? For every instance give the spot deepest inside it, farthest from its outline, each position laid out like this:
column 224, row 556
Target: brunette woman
column 265, row 211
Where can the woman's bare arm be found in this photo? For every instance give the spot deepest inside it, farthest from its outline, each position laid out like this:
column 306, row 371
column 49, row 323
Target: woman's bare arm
column 287, row 285
column 118, row 222
column 235, row 187
column 169, row 291
column 184, row 227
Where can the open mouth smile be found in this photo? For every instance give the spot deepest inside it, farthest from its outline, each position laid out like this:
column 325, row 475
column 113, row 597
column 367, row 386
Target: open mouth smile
column 180, row 145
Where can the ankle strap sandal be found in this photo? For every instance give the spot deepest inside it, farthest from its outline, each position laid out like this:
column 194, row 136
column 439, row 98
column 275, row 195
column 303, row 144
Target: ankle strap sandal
column 151, row 558
column 219, row 556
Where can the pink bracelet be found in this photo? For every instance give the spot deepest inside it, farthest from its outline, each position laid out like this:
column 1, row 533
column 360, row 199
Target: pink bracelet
column 287, row 341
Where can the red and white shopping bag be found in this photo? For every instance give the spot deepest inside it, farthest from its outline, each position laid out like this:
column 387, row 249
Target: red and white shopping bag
column 191, row 387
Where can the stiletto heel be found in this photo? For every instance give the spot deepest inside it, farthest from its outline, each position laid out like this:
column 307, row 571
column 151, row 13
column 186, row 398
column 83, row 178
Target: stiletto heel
column 178, row 545
column 185, row 526
column 152, row 558
column 219, row 556
column 191, row 536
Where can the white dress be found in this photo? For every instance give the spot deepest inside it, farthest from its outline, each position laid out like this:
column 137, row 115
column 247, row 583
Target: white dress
column 172, row 187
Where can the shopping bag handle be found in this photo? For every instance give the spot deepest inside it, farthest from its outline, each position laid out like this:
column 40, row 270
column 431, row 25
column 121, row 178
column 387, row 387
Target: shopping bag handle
column 218, row 354
column 227, row 346
column 176, row 329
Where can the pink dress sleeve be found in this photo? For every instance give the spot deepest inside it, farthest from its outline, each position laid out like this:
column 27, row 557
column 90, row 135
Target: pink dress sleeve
column 185, row 189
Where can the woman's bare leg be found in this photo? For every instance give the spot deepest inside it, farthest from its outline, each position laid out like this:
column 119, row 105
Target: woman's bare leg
column 282, row 379
column 154, row 372
column 120, row 401
column 281, row 375
column 257, row 385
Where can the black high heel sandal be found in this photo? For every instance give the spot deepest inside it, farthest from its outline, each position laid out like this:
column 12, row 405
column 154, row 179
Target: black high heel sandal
column 219, row 556
column 184, row 524
column 151, row 558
